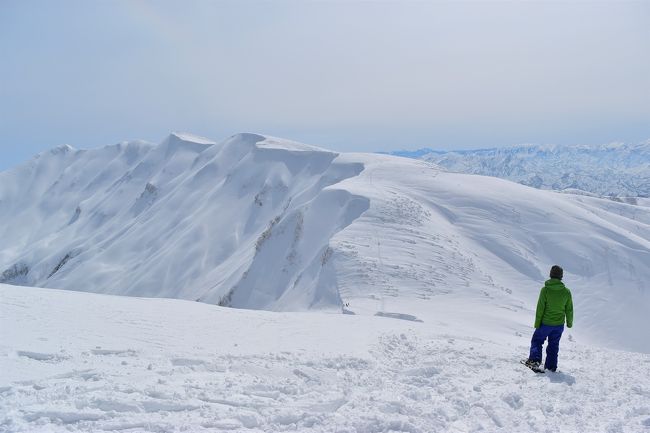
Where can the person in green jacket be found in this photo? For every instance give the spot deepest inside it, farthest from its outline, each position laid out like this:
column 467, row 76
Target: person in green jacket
column 553, row 307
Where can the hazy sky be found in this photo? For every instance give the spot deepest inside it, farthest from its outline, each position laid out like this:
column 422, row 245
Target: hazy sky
column 357, row 76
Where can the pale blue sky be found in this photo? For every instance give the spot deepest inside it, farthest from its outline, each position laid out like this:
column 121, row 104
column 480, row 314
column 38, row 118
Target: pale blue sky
column 350, row 76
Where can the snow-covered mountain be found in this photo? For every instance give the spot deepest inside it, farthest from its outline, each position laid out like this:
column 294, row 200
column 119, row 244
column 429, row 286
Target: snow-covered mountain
column 264, row 223
column 616, row 169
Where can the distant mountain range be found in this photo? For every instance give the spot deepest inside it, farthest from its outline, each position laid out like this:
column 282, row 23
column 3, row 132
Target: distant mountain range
column 613, row 170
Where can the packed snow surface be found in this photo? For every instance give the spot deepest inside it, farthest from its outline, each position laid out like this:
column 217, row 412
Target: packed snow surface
column 265, row 223
column 615, row 169
column 82, row 362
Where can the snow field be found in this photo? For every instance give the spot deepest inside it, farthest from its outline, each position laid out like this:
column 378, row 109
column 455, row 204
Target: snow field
column 431, row 235
column 264, row 223
column 77, row 362
column 438, row 274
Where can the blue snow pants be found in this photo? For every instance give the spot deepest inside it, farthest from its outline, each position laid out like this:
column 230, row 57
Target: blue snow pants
column 553, row 333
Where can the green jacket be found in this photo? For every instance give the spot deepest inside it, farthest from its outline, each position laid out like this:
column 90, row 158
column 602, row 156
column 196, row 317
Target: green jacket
column 554, row 304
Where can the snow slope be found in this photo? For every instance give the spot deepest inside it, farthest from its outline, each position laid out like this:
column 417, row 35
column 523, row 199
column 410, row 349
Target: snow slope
column 188, row 219
column 264, row 223
column 80, row 362
column 615, row 169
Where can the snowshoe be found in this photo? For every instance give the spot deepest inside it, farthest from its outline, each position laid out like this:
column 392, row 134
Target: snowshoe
column 533, row 365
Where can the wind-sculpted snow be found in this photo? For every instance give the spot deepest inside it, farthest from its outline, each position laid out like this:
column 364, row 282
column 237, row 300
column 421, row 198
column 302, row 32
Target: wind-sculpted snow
column 436, row 236
column 187, row 218
column 264, row 223
column 618, row 170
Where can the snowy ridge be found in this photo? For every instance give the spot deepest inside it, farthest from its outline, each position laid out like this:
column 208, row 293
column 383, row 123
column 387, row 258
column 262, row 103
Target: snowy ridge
column 187, row 218
column 614, row 169
column 162, row 365
column 263, row 223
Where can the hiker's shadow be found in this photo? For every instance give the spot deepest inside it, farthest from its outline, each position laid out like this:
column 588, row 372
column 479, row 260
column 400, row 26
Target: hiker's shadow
column 561, row 377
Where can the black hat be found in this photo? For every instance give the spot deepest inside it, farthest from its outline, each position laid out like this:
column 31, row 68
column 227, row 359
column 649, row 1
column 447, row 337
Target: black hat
column 556, row 272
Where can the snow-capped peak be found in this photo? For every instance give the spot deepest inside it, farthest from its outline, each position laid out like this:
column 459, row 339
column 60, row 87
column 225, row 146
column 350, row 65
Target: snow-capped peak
column 192, row 138
column 62, row 149
column 270, row 142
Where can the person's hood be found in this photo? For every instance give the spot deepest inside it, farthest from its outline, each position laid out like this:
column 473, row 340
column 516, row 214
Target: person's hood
column 554, row 284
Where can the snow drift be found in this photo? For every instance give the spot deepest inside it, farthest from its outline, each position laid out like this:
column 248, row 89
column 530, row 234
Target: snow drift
column 264, row 223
